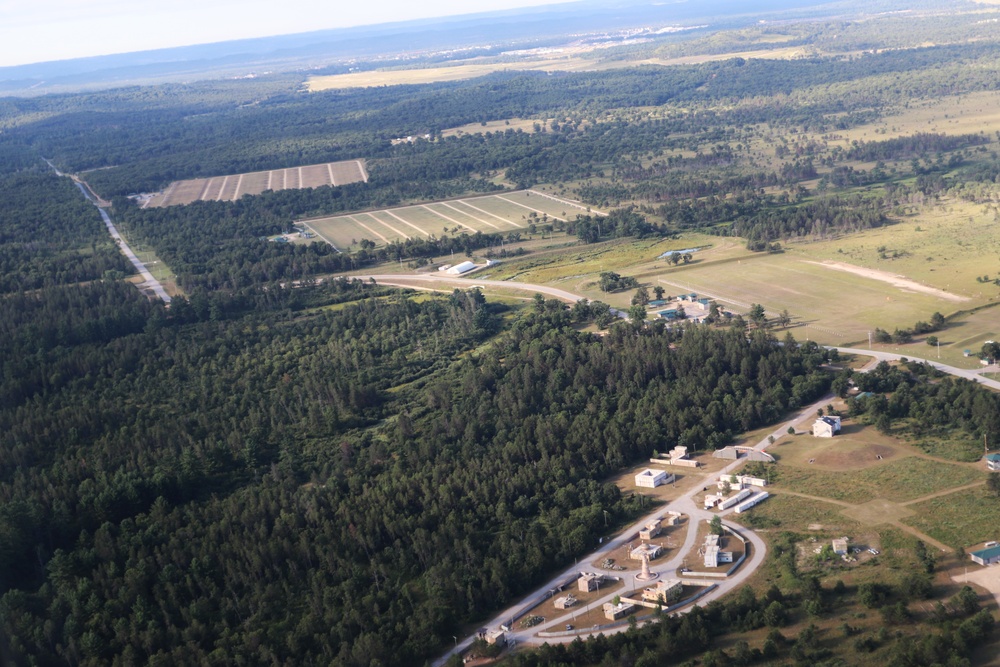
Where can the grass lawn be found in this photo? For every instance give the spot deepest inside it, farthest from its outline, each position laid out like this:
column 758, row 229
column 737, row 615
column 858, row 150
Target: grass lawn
column 959, row 519
column 794, row 513
column 900, row 480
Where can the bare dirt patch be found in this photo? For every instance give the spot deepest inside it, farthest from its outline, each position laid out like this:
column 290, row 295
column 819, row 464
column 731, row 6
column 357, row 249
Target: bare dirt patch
column 878, row 511
column 233, row 186
column 901, row 282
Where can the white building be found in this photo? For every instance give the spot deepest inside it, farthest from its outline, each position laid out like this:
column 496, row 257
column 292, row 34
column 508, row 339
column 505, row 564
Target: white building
column 650, row 479
column 826, row 427
column 459, row 269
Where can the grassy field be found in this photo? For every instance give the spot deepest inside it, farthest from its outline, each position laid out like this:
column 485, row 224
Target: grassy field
column 234, row 186
column 825, row 304
column 508, row 212
column 795, row 513
column 571, row 62
column 862, row 464
column 899, row 480
column 959, row 519
column 523, row 124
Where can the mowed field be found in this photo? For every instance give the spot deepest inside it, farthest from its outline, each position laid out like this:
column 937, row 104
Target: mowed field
column 826, row 303
column 508, row 212
column 232, row 187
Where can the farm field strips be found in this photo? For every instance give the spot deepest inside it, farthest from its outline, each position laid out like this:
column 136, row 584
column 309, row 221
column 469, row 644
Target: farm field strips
column 503, row 213
column 234, row 186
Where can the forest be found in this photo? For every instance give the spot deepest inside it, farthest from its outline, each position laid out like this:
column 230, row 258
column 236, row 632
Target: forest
column 289, row 468
column 274, row 482
column 50, row 235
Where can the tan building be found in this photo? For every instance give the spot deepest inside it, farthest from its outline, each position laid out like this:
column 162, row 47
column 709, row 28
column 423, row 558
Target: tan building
column 651, row 530
column 666, row 591
column 589, row 582
column 613, row 612
column 652, row 551
column 565, row 602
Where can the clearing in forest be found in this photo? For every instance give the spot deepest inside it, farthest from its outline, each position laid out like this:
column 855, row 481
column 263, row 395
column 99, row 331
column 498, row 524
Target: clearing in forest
column 502, row 213
column 234, row 186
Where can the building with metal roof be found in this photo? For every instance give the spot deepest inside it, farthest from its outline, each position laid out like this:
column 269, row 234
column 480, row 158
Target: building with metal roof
column 987, row 556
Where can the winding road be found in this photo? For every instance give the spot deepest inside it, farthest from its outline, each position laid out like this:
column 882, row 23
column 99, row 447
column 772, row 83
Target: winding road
column 686, row 504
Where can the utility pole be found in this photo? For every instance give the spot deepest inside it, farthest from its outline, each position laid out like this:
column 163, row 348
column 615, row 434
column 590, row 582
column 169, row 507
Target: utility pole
column 869, row 340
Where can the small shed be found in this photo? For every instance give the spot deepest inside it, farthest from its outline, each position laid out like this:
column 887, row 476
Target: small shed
column 840, row 547
column 993, row 462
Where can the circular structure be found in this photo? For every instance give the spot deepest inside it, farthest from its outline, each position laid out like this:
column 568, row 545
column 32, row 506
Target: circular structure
column 645, row 574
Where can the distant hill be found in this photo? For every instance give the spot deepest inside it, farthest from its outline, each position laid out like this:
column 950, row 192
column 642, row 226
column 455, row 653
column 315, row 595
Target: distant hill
column 349, row 46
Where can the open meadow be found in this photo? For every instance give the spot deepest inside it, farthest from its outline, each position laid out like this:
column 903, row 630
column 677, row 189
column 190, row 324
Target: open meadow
column 957, row 519
column 234, row 186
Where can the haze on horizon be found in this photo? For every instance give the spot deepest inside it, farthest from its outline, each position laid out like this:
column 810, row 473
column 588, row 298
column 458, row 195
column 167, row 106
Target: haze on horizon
column 47, row 30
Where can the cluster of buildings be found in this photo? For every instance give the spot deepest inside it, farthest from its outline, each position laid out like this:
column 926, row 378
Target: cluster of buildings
column 713, row 555
column 721, row 502
column 678, row 456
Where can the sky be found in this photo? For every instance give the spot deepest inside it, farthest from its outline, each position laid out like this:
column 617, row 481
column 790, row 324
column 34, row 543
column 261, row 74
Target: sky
column 42, row 30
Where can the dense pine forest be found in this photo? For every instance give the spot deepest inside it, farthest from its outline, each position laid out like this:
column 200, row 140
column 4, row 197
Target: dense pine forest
column 286, row 467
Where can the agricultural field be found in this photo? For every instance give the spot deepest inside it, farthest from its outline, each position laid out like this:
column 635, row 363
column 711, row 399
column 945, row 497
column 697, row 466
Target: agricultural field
column 234, row 186
column 506, row 213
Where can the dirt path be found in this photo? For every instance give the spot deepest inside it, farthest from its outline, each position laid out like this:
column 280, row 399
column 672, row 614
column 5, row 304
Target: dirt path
column 896, row 524
column 946, row 492
column 893, row 279
column 921, row 536
column 821, row 499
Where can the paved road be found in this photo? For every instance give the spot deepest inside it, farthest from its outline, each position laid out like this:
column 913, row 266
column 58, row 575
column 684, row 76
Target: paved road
column 687, row 504
column 945, row 368
column 150, row 282
column 405, row 280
